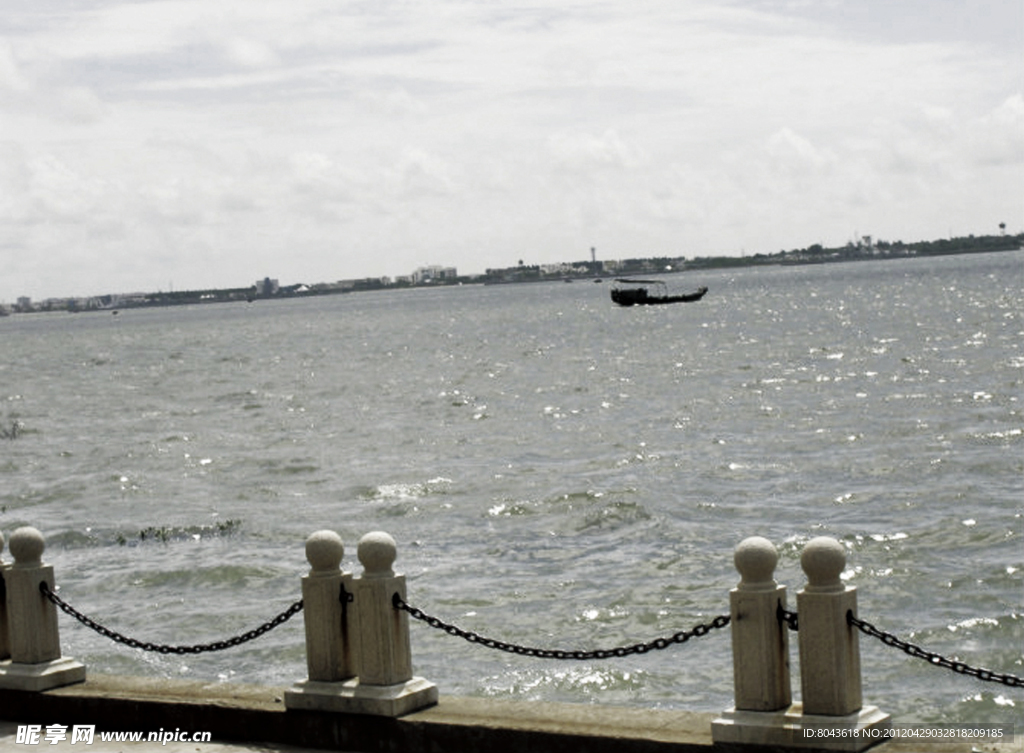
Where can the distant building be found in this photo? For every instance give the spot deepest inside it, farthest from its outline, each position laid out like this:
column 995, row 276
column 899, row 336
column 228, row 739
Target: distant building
column 266, row 286
column 24, row 303
column 434, row 273
column 128, row 299
column 363, row 283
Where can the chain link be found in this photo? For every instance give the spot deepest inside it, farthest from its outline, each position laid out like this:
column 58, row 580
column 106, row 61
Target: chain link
column 700, row 630
column 238, row 640
column 790, row 618
column 931, row 657
column 544, row 653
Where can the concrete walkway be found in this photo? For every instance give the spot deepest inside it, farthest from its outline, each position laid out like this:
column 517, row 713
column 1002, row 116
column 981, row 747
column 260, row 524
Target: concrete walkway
column 9, row 744
column 241, row 718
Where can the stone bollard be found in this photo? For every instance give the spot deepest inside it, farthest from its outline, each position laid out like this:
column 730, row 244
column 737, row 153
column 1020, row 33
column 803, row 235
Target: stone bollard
column 760, row 648
column 831, row 709
column 760, row 641
column 329, row 651
column 5, row 651
column 33, row 639
column 386, row 656
column 385, row 685
column 829, row 649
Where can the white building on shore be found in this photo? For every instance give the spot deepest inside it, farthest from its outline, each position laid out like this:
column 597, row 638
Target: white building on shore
column 434, row 273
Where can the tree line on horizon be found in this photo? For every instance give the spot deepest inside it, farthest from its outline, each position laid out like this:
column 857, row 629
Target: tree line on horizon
column 863, row 249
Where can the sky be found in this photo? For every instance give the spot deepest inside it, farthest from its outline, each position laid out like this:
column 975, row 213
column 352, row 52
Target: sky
column 194, row 144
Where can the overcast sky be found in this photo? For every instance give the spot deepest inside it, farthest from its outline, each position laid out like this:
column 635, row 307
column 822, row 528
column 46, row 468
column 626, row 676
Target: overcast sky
column 206, row 143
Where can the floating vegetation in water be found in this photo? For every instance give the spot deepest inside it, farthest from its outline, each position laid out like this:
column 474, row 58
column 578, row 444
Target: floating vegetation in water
column 182, row 533
column 11, row 429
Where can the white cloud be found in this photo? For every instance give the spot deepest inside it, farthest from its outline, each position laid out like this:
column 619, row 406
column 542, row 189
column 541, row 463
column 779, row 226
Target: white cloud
column 585, row 151
column 997, row 138
column 319, row 141
column 792, row 153
column 11, row 77
column 80, row 104
column 250, row 53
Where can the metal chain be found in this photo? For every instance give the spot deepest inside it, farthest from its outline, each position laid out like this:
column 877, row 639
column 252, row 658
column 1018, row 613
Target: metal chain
column 543, row 653
column 700, row 630
column 238, row 640
column 790, row 618
column 931, row 657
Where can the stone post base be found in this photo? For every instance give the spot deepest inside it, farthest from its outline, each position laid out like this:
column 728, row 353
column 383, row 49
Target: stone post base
column 42, row 676
column 352, row 697
column 791, row 728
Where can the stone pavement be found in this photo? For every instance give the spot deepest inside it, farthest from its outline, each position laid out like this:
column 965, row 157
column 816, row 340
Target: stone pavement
column 454, row 725
column 9, row 744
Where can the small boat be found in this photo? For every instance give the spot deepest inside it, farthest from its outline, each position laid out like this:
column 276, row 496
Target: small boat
column 640, row 293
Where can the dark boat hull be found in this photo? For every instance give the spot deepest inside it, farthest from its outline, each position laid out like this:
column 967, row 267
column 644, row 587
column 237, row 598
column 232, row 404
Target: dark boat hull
column 640, row 297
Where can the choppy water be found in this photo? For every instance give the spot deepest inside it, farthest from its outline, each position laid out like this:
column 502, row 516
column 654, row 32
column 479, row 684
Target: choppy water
column 557, row 471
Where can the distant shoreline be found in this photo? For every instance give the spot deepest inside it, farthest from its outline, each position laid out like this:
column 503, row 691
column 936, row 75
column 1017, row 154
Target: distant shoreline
column 865, row 250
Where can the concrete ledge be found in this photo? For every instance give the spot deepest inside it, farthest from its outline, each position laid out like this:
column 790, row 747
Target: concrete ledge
column 257, row 715
column 791, row 728
column 354, row 697
column 42, row 676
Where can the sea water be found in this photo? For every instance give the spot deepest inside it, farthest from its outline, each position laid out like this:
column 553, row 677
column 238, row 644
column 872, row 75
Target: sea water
column 557, row 471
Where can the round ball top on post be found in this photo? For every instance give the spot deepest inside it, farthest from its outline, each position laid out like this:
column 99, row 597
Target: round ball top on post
column 27, row 546
column 823, row 560
column 377, row 553
column 755, row 559
column 324, row 550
